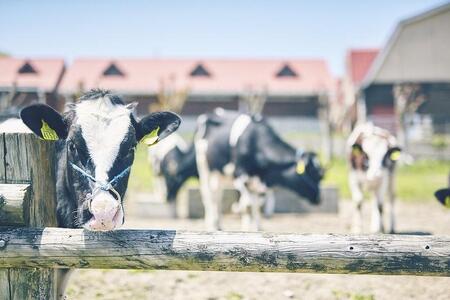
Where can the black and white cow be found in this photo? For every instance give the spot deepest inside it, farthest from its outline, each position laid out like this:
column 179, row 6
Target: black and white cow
column 443, row 196
column 248, row 149
column 372, row 154
column 173, row 162
column 95, row 144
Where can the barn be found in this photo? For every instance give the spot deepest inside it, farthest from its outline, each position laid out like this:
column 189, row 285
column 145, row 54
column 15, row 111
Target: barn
column 357, row 64
column 414, row 66
column 23, row 81
column 290, row 87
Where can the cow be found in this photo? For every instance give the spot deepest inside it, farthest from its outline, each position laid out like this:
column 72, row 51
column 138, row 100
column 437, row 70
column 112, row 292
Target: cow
column 247, row 148
column 95, row 141
column 173, row 162
column 443, row 196
column 372, row 156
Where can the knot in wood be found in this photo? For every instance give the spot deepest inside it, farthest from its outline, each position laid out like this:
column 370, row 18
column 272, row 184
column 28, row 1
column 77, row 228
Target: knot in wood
column 2, row 244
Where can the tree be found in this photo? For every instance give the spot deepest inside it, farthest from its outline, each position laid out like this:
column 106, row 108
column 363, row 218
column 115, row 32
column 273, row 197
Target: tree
column 408, row 97
column 169, row 96
column 254, row 100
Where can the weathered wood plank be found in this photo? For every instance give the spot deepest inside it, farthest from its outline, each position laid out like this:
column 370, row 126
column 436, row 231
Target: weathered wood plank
column 36, row 284
column 2, row 158
column 4, row 284
column 12, row 198
column 31, row 160
column 226, row 251
column 27, row 159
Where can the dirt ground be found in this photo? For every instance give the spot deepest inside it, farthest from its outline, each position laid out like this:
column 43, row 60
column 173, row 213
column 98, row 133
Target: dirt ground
column 421, row 218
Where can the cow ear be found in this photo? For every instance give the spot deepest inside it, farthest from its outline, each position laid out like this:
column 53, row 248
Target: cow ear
column 44, row 121
column 443, row 196
column 394, row 153
column 156, row 126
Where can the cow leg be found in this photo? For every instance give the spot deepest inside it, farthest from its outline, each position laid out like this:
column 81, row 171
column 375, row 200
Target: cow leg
column 210, row 201
column 377, row 210
column 357, row 199
column 214, row 217
column 244, row 201
column 391, row 195
column 269, row 207
column 249, row 204
column 62, row 277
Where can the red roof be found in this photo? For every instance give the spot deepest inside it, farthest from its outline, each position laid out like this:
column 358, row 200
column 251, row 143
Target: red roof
column 227, row 76
column 359, row 62
column 46, row 75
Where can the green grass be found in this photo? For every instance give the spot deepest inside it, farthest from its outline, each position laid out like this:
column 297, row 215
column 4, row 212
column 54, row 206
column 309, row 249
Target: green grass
column 416, row 182
column 141, row 177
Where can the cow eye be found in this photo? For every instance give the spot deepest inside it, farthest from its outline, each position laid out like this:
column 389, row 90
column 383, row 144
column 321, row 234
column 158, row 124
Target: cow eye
column 72, row 147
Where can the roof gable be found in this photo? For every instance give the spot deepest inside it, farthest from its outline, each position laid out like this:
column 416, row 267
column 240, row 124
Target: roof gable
column 414, row 51
column 199, row 71
column 113, row 70
column 27, row 68
column 286, row 71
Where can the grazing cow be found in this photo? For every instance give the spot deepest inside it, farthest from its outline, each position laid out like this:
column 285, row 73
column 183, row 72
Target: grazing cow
column 248, row 149
column 95, row 143
column 174, row 163
column 372, row 154
column 443, row 196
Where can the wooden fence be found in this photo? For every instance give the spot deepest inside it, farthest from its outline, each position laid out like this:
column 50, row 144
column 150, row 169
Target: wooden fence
column 31, row 250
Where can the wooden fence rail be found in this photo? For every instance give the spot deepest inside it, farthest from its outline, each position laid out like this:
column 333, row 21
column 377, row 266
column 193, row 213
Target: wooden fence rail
column 225, row 251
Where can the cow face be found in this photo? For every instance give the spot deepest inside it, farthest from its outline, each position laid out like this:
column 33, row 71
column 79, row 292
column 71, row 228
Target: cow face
column 374, row 156
column 96, row 140
column 305, row 176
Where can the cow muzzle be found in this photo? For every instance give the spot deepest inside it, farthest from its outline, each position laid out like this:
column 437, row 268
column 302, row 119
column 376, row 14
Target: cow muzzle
column 107, row 212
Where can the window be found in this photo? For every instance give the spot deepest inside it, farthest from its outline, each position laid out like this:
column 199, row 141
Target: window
column 200, row 71
column 112, row 70
column 286, row 71
column 27, row 68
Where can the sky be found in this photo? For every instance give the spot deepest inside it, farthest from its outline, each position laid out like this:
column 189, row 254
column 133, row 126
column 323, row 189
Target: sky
column 200, row 29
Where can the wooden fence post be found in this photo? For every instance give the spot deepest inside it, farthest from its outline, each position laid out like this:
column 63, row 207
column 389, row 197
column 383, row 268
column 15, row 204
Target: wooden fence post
column 25, row 159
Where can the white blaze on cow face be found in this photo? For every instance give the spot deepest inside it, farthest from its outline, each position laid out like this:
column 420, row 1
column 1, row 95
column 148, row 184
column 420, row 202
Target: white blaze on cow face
column 104, row 126
column 375, row 147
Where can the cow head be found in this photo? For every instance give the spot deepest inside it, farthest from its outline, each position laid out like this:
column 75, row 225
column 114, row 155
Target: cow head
column 443, row 196
column 177, row 167
column 96, row 140
column 304, row 176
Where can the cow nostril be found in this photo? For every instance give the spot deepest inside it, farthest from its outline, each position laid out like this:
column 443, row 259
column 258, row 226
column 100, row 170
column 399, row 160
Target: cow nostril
column 114, row 195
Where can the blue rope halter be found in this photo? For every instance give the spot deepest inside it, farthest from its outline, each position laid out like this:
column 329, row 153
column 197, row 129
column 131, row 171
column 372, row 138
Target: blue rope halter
column 104, row 186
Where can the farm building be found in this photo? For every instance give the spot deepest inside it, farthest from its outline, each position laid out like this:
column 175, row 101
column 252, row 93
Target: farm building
column 357, row 64
column 289, row 87
column 23, row 81
column 412, row 74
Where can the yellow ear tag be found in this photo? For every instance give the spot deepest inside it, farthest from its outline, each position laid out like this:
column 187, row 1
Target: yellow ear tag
column 356, row 151
column 447, row 202
column 395, row 155
column 48, row 134
column 300, row 167
column 151, row 138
